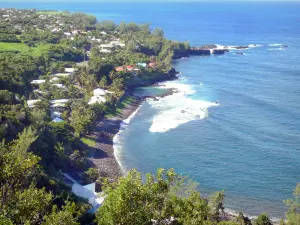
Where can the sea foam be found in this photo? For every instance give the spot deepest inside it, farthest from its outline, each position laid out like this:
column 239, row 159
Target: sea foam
column 273, row 45
column 177, row 109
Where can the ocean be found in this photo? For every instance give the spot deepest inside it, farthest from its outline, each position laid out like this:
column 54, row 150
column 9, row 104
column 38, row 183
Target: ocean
column 235, row 123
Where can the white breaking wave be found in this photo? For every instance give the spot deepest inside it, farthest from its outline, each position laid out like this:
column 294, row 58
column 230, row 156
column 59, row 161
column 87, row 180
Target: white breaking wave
column 254, row 45
column 178, row 109
column 273, row 45
column 275, row 49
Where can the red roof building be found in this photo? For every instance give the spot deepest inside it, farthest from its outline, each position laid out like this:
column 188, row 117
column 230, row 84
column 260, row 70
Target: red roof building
column 120, row 68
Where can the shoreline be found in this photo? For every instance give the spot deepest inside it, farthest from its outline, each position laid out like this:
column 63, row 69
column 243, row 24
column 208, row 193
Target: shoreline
column 103, row 155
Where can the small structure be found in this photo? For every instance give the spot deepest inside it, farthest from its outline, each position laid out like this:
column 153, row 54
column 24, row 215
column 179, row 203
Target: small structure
column 60, row 75
column 152, row 64
column 31, row 103
column 88, row 192
column 70, row 70
column 60, row 86
column 54, row 79
column 38, row 81
column 130, row 68
column 57, row 107
column 142, row 64
column 99, row 96
column 57, row 120
column 120, row 68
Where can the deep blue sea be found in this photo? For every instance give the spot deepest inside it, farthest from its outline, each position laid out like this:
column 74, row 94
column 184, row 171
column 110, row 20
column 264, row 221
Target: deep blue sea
column 235, row 123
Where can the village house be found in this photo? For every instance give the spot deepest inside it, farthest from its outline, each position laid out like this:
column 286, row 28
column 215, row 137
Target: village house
column 98, row 97
column 38, row 82
column 57, row 107
column 31, row 103
column 70, row 70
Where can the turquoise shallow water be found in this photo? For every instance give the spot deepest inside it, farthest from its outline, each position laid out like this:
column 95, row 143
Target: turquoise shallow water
column 248, row 142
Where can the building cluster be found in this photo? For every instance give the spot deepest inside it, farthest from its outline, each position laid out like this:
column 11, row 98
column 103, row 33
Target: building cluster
column 58, row 106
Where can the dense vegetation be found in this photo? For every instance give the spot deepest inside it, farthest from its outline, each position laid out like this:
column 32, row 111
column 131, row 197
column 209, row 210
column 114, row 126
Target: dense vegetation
column 34, row 150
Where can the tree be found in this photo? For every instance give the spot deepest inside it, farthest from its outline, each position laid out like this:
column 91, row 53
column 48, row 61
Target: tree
column 155, row 201
column 216, row 203
column 293, row 214
column 92, row 175
column 262, row 219
column 81, row 118
column 67, row 216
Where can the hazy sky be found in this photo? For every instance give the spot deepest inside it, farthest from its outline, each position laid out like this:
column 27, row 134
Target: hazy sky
column 146, row 0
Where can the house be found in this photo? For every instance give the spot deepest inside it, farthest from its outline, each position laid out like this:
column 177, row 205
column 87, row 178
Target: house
column 74, row 32
column 60, row 75
column 99, row 96
column 31, row 103
column 60, row 86
column 120, row 68
column 142, row 64
column 55, row 30
column 117, row 43
column 130, row 68
column 70, row 70
column 68, row 34
column 105, row 50
column 57, row 107
column 54, row 79
column 38, row 81
column 57, row 120
column 99, row 92
column 152, row 64
column 103, row 32
column 88, row 192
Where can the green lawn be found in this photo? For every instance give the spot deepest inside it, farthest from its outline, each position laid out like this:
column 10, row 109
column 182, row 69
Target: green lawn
column 121, row 105
column 89, row 141
column 49, row 12
column 23, row 48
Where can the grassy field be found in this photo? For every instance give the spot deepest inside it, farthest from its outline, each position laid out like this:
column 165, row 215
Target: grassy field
column 49, row 12
column 22, row 48
column 88, row 141
column 121, row 105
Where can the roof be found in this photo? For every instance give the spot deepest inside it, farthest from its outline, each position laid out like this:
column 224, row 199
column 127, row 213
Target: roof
column 57, row 120
column 99, row 92
column 60, row 75
column 88, row 192
column 105, row 50
column 54, row 79
column 58, row 105
column 70, row 70
column 130, row 68
column 59, row 101
column 120, row 68
column 142, row 64
column 38, row 81
column 31, row 103
column 60, row 85
column 96, row 99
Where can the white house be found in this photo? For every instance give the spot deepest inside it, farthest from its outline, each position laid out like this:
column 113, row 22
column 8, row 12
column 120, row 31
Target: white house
column 38, row 81
column 57, row 120
column 54, row 79
column 61, row 75
column 70, row 70
column 105, row 50
column 57, row 107
column 31, row 103
column 99, row 96
column 60, row 86
column 88, row 192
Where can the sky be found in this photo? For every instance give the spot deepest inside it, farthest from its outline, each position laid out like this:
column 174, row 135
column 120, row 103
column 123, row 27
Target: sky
column 147, row 0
